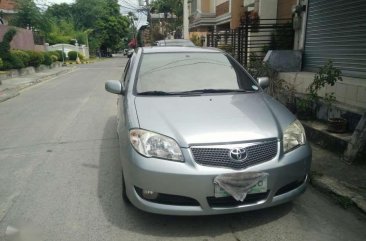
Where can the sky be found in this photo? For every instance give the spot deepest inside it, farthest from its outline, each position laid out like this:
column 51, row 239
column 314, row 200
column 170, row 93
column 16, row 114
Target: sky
column 127, row 6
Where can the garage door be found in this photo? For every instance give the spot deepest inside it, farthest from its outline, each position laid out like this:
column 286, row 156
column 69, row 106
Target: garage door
column 336, row 30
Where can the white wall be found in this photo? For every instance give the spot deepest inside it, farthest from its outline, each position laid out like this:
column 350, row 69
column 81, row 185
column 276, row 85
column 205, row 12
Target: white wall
column 268, row 9
column 68, row 47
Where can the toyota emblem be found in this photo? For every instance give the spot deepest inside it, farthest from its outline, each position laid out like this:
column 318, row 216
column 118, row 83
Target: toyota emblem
column 238, row 154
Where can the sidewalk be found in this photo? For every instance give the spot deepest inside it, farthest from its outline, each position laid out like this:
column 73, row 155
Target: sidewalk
column 346, row 183
column 11, row 87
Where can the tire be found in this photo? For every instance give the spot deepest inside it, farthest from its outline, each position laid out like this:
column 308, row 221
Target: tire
column 124, row 194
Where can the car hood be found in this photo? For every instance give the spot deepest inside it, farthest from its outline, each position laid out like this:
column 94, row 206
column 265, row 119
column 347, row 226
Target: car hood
column 215, row 119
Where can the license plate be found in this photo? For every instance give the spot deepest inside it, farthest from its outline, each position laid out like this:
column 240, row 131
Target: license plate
column 260, row 187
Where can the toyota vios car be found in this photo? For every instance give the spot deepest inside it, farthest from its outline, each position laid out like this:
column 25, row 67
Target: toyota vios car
column 199, row 136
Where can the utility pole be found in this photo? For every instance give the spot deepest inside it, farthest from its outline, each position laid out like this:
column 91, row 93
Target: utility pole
column 185, row 20
column 148, row 12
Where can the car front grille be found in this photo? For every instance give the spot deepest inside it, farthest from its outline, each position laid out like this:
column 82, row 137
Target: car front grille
column 220, row 156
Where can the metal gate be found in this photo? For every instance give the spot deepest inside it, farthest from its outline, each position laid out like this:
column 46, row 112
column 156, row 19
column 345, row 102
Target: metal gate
column 252, row 41
column 336, row 30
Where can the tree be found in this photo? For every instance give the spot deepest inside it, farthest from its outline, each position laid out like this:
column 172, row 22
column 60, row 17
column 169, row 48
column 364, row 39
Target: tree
column 100, row 20
column 111, row 31
column 9, row 61
column 5, row 44
column 104, row 17
column 169, row 6
column 63, row 31
column 29, row 16
column 60, row 12
column 173, row 7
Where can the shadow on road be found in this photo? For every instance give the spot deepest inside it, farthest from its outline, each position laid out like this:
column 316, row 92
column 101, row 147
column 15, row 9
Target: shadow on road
column 129, row 218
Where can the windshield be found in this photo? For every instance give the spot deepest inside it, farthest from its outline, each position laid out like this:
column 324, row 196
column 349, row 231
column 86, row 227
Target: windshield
column 184, row 72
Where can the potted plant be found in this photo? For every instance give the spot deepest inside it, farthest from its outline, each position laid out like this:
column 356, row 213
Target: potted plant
column 335, row 124
column 304, row 108
column 328, row 75
column 289, row 91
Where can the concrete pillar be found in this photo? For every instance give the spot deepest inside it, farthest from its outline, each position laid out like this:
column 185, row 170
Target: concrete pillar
column 358, row 141
column 185, row 20
column 301, row 41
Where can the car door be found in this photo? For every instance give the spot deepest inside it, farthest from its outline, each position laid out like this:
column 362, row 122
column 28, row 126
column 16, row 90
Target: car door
column 120, row 102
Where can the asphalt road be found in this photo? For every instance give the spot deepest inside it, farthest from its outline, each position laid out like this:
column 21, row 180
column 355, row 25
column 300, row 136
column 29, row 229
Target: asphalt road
column 60, row 177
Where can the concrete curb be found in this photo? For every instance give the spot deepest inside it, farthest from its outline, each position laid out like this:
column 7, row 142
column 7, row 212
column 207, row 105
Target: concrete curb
column 8, row 94
column 11, row 93
column 42, row 79
column 331, row 185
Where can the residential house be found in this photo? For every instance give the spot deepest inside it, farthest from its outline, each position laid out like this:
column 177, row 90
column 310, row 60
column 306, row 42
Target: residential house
column 7, row 9
column 324, row 30
column 334, row 31
column 209, row 15
column 224, row 15
column 161, row 22
column 24, row 38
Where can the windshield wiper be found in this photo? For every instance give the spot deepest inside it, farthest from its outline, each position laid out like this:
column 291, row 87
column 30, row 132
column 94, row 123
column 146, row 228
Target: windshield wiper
column 156, row 93
column 197, row 92
column 202, row 91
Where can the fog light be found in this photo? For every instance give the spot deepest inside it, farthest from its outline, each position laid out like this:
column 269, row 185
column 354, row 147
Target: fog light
column 147, row 194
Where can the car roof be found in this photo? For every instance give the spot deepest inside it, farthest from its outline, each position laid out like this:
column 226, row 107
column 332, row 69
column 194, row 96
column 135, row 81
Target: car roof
column 175, row 42
column 175, row 49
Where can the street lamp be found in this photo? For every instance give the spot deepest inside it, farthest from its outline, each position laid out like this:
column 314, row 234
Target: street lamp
column 77, row 50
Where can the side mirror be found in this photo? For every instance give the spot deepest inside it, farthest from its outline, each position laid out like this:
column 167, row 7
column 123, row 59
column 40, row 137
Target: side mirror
column 263, row 82
column 114, row 86
column 130, row 53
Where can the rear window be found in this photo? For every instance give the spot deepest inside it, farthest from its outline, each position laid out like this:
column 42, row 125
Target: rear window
column 177, row 72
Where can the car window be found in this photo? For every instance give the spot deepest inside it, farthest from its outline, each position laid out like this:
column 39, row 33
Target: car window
column 179, row 72
column 125, row 71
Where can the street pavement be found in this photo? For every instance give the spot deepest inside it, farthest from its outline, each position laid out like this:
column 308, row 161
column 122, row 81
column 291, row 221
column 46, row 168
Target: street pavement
column 60, row 177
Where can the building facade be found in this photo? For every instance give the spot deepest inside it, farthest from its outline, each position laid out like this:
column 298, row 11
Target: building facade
column 7, row 10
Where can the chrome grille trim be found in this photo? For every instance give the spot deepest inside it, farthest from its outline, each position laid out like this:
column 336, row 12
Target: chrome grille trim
column 218, row 156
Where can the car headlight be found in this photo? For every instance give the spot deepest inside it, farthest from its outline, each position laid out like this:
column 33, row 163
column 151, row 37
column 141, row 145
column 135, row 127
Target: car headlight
column 150, row 144
column 293, row 136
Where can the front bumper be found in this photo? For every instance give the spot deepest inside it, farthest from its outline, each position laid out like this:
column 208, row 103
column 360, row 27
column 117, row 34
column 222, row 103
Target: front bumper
column 288, row 177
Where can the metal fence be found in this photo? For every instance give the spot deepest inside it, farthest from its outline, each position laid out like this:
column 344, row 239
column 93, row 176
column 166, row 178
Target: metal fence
column 252, row 41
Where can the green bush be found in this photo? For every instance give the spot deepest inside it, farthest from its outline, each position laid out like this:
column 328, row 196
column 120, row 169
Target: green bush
column 59, row 54
column 196, row 39
column 13, row 62
column 72, row 55
column 54, row 57
column 5, row 44
column 23, row 56
column 36, row 58
column 47, row 60
column 1, row 63
column 81, row 57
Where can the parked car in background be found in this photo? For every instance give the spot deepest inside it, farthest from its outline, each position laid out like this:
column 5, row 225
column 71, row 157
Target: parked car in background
column 175, row 42
column 199, row 136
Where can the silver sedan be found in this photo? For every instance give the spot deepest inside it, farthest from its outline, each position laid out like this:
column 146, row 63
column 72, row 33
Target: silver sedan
column 198, row 135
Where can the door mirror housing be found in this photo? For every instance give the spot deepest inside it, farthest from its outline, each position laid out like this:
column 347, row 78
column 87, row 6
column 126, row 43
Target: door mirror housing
column 114, row 87
column 263, row 82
